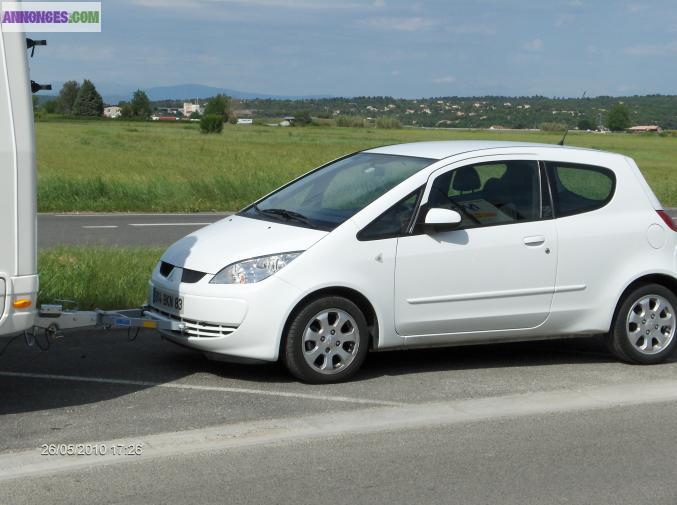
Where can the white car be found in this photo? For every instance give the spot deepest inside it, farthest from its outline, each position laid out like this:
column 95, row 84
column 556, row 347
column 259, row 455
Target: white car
column 429, row 244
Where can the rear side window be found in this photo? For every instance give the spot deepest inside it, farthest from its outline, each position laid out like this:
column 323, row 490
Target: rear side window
column 579, row 188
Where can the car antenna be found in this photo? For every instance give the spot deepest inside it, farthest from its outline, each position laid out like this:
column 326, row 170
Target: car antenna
column 561, row 142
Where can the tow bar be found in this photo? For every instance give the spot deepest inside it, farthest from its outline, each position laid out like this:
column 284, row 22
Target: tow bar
column 54, row 319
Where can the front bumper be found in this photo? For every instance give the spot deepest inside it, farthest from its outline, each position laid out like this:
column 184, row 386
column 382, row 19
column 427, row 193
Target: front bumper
column 242, row 321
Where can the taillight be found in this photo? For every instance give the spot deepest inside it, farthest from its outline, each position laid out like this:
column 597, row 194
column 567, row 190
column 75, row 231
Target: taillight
column 667, row 219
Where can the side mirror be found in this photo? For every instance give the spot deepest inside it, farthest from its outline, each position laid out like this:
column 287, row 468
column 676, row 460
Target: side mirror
column 438, row 220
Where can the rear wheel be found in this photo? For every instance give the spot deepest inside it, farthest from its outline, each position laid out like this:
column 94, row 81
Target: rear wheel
column 327, row 341
column 644, row 327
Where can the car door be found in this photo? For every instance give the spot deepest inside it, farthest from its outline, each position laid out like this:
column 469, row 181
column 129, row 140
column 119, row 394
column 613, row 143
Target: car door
column 496, row 271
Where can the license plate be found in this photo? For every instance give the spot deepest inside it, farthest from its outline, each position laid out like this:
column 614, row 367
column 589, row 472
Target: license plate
column 168, row 301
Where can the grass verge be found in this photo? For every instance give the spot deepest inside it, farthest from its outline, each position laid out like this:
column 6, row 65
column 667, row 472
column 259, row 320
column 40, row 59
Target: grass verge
column 156, row 167
column 96, row 277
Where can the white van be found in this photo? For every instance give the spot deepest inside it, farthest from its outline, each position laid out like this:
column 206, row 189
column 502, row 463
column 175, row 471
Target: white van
column 18, row 262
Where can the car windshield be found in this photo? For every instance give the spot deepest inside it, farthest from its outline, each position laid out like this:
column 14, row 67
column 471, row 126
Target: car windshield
column 329, row 196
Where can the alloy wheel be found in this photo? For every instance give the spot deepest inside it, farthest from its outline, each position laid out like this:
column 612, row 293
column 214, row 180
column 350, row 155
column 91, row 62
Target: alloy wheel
column 330, row 341
column 650, row 324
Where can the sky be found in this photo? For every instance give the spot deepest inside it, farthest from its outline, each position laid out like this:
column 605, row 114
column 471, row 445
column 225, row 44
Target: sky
column 376, row 47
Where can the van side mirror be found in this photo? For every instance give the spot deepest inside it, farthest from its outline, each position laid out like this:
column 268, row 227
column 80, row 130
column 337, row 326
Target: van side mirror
column 438, row 220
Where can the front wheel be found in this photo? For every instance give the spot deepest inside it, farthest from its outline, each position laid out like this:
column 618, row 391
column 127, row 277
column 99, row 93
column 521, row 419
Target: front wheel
column 327, row 341
column 644, row 327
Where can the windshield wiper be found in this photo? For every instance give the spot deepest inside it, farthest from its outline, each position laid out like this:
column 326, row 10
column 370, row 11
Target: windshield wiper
column 288, row 215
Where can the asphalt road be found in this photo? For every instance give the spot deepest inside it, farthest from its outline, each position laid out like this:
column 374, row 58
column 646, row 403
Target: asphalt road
column 126, row 229
column 526, row 423
column 119, row 229
column 549, row 422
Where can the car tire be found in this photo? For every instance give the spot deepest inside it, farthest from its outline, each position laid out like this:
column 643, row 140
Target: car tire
column 327, row 341
column 643, row 330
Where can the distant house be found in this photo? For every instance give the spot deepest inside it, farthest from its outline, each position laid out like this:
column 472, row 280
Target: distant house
column 190, row 108
column 497, row 127
column 112, row 112
column 243, row 120
column 645, row 129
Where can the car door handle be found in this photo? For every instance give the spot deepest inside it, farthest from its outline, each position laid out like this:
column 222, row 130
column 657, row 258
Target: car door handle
column 535, row 240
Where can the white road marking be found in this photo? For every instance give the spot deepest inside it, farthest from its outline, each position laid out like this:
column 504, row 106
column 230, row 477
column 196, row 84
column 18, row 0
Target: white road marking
column 30, row 463
column 167, row 224
column 100, row 226
column 174, row 385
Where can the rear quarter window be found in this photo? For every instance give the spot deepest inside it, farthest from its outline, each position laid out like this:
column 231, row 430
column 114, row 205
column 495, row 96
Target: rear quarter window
column 580, row 188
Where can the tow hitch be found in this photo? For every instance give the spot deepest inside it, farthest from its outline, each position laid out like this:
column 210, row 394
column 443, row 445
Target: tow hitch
column 54, row 319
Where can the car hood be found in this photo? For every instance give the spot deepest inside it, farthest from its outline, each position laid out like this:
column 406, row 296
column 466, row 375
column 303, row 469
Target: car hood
column 237, row 238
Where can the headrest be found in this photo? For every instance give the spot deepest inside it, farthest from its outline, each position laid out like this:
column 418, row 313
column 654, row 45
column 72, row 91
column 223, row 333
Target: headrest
column 466, row 179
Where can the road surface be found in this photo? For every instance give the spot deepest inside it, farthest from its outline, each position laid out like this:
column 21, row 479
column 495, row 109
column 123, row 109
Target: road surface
column 528, row 423
column 119, row 229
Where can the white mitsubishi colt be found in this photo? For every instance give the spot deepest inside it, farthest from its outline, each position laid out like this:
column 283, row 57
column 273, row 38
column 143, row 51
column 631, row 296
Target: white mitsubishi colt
column 429, row 244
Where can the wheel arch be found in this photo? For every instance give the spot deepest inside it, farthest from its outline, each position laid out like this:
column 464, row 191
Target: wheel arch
column 351, row 294
column 663, row 279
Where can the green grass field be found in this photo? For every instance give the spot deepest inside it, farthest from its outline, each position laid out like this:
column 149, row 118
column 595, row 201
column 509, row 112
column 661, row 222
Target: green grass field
column 117, row 166
column 97, row 277
column 121, row 166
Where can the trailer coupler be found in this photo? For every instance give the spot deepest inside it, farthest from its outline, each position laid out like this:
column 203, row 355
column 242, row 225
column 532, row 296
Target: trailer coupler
column 54, row 319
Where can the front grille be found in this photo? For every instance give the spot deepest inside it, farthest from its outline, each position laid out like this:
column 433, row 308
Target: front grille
column 199, row 328
column 166, row 269
column 191, row 276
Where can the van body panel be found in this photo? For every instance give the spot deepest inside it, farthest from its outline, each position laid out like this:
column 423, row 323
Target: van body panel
column 18, row 186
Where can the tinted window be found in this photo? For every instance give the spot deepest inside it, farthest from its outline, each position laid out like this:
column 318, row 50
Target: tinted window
column 332, row 194
column 490, row 193
column 394, row 221
column 579, row 188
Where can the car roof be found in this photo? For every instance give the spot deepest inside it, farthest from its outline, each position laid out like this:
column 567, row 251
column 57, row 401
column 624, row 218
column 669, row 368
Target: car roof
column 443, row 149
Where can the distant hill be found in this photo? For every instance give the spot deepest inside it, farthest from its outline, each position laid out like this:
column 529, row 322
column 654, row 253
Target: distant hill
column 116, row 93
column 480, row 111
column 197, row 91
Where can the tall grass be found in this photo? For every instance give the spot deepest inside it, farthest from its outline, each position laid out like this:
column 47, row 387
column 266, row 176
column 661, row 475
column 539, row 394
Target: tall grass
column 351, row 121
column 388, row 122
column 96, row 277
column 119, row 166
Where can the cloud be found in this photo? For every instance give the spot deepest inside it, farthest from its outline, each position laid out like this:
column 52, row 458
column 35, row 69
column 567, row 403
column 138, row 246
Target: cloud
column 651, row 49
column 564, row 19
column 401, row 24
column 447, row 79
column 535, row 45
column 473, row 29
column 636, row 7
column 311, row 5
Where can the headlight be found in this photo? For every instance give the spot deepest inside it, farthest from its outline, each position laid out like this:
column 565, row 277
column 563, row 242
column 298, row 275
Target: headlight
column 254, row 269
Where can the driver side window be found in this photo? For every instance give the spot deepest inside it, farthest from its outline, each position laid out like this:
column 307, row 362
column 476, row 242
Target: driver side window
column 490, row 193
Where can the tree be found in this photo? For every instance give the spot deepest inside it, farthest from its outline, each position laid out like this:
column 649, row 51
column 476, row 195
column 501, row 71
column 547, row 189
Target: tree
column 218, row 106
column 140, row 104
column 51, row 106
column 211, row 123
column 125, row 110
column 67, row 95
column 618, row 118
column 195, row 115
column 585, row 124
column 302, row 118
column 88, row 102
